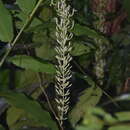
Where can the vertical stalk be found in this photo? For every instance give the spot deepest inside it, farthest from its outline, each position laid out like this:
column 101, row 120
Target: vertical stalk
column 100, row 12
column 63, row 74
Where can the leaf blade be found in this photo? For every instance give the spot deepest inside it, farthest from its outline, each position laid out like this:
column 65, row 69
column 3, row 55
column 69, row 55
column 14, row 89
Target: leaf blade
column 33, row 64
column 32, row 107
column 26, row 5
column 6, row 24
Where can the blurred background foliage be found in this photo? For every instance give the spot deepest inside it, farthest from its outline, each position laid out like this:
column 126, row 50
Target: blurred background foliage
column 30, row 66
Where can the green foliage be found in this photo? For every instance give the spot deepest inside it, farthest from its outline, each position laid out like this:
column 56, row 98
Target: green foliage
column 33, row 64
column 46, row 50
column 34, row 52
column 89, row 98
column 23, row 17
column 123, row 116
column 120, row 127
column 4, row 78
column 84, row 30
column 81, row 128
column 20, row 119
column 97, row 118
column 79, row 48
column 49, row 14
column 26, row 5
column 11, row 119
column 25, row 78
column 6, row 24
column 31, row 107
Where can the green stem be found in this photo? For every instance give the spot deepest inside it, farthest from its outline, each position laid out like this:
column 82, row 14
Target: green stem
column 20, row 32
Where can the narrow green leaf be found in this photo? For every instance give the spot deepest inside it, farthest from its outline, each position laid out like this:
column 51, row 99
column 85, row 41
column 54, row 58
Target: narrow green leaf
column 31, row 107
column 123, row 116
column 86, row 31
column 26, row 5
column 6, row 25
column 33, row 64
